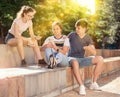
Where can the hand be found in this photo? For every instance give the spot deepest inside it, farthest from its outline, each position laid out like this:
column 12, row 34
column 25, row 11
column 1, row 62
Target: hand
column 64, row 36
column 49, row 45
column 87, row 53
column 89, row 50
column 86, row 47
column 33, row 38
column 31, row 43
column 54, row 46
column 38, row 37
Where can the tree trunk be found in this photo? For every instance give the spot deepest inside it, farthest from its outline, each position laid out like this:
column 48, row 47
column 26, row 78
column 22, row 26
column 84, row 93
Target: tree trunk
column 1, row 35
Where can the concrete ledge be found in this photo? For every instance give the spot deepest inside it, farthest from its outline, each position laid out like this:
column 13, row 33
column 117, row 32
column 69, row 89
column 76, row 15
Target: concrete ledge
column 110, row 59
column 28, row 82
column 9, row 56
column 106, row 53
column 41, row 82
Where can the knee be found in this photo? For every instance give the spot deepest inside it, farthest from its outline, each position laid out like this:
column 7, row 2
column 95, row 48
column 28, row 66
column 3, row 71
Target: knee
column 19, row 40
column 74, row 63
column 48, row 50
column 35, row 42
column 99, row 59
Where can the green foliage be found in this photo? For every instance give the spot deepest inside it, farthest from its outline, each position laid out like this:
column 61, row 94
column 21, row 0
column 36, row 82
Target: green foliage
column 9, row 8
column 105, row 24
column 49, row 12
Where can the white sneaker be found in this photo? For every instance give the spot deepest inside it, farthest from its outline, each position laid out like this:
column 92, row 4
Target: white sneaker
column 82, row 90
column 94, row 86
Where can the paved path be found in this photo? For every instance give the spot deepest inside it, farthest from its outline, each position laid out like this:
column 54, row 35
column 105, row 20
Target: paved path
column 110, row 85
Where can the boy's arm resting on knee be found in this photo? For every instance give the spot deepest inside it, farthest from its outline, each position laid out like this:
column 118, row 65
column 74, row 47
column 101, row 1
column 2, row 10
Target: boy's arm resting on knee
column 90, row 50
column 64, row 50
column 47, row 45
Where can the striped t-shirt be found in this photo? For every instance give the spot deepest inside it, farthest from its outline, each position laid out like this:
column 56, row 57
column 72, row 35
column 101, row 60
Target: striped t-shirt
column 59, row 42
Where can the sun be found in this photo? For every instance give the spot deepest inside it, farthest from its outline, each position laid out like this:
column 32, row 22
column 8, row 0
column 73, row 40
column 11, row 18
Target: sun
column 90, row 4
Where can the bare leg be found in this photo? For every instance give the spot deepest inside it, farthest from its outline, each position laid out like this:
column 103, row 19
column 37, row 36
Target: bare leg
column 24, row 41
column 76, row 71
column 20, row 48
column 98, row 61
column 19, row 44
column 36, row 50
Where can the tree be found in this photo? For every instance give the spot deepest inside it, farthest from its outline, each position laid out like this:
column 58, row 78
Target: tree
column 116, row 10
column 104, row 24
column 48, row 12
column 8, row 10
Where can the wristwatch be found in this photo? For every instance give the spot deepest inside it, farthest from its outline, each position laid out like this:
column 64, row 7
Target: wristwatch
column 57, row 50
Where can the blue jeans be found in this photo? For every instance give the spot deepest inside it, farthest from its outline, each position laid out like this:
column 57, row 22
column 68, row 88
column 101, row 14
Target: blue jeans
column 61, row 58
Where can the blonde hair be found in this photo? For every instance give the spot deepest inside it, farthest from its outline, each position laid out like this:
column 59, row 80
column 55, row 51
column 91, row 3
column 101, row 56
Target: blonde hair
column 57, row 23
column 25, row 9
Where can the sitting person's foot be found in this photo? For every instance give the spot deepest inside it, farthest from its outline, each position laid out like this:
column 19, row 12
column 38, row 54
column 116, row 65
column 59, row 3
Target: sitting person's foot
column 94, row 86
column 82, row 90
column 41, row 62
column 52, row 62
column 49, row 67
column 23, row 63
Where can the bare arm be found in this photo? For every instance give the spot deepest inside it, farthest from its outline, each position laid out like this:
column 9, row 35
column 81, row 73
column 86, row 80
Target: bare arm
column 64, row 50
column 90, row 50
column 17, row 34
column 31, row 32
column 48, row 45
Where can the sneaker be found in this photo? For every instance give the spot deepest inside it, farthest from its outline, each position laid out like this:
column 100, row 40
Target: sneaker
column 49, row 67
column 52, row 62
column 41, row 63
column 23, row 63
column 94, row 86
column 82, row 90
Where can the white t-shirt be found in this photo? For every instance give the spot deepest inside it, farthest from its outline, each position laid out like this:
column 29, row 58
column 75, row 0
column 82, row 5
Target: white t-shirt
column 59, row 42
column 21, row 25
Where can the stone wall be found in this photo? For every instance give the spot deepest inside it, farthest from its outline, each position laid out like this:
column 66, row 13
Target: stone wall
column 9, row 56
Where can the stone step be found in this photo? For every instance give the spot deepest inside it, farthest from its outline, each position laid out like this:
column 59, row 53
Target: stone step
column 34, row 81
column 31, row 82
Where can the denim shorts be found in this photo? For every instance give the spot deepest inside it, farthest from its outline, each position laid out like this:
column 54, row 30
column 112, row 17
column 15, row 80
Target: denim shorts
column 9, row 36
column 83, row 62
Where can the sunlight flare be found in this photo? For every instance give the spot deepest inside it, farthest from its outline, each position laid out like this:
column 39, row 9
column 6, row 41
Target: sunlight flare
column 90, row 4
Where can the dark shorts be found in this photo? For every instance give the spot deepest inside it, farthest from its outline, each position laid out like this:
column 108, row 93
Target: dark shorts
column 9, row 36
column 83, row 62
